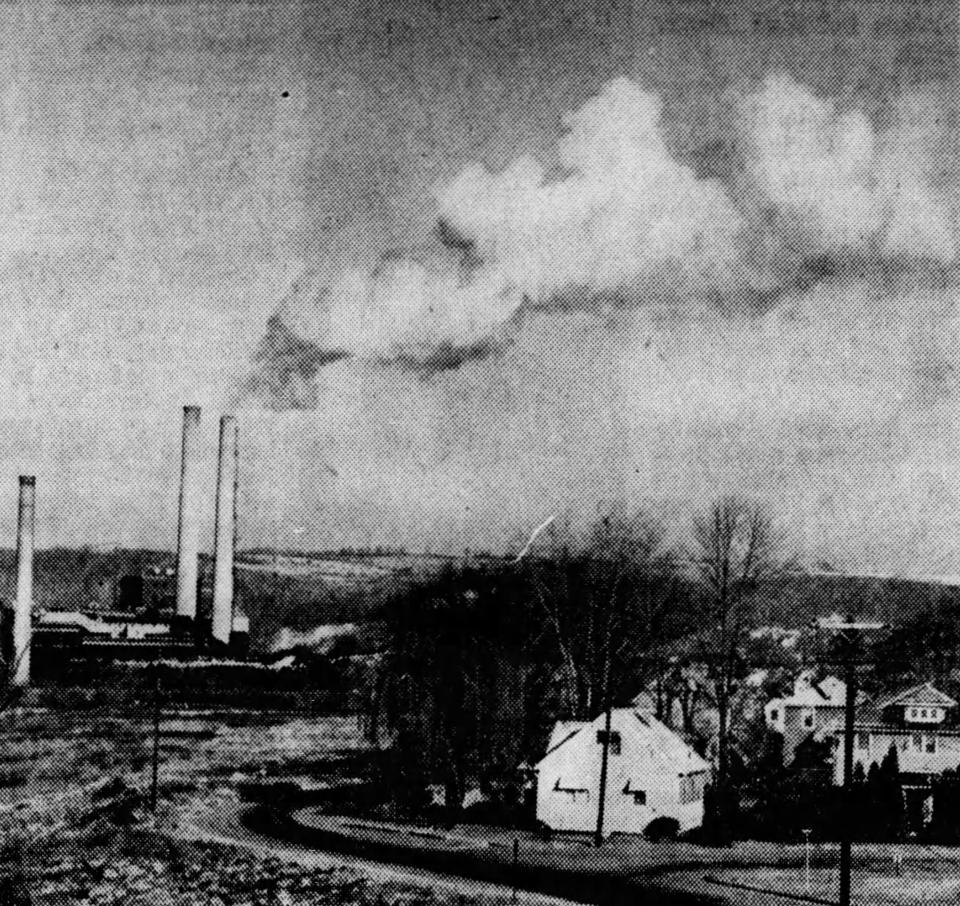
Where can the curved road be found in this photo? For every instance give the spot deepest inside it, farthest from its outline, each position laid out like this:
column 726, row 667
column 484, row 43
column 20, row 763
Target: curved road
column 223, row 825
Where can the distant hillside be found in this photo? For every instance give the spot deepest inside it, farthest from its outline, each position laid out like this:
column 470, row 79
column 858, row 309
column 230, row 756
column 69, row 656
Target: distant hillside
column 302, row 590
column 291, row 588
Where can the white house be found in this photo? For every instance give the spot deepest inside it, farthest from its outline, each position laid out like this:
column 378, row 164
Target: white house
column 812, row 706
column 918, row 722
column 651, row 773
column 921, row 724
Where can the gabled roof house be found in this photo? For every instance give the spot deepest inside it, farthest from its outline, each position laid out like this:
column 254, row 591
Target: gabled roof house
column 920, row 722
column 651, row 773
column 813, row 705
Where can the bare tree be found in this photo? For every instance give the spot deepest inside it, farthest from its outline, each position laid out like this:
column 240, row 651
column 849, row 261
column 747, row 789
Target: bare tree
column 735, row 548
column 604, row 599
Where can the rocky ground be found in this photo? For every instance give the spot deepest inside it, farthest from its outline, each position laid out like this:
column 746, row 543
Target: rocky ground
column 76, row 826
column 143, row 869
column 114, row 853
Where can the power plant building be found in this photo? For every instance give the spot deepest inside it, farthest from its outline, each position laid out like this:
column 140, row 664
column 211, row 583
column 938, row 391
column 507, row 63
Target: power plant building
column 153, row 613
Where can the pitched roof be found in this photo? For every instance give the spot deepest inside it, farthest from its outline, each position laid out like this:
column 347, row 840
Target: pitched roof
column 562, row 731
column 815, row 698
column 921, row 694
column 663, row 742
column 671, row 746
column 808, row 693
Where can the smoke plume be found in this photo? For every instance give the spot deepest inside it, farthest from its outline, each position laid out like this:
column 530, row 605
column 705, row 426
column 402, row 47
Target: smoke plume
column 840, row 185
column 817, row 192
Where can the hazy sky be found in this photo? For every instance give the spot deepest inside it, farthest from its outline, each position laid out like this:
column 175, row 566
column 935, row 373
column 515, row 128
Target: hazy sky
column 687, row 248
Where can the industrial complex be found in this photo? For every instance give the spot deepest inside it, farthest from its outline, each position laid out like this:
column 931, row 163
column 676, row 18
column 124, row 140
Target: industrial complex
column 156, row 614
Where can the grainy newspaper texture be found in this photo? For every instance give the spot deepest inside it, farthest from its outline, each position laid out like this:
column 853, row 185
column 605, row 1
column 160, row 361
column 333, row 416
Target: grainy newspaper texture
column 479, row 452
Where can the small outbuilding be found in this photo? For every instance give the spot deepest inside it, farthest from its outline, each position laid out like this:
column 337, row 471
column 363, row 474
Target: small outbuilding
column 651, row 773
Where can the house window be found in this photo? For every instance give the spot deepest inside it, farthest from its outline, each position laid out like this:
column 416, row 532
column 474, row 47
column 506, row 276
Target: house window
column 774, row 715
column 572, row 792
column 863, row 740
column 917, row 741
column 614, row 747
column 699, row 782
column 923, row 713
column 808, row 719
column 931, row 744
column 639, row 797
column 691, row 788
column 913, row 712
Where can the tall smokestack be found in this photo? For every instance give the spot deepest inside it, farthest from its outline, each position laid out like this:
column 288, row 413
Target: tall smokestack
column 23, row 611
column 225, row 532
column 188, row 534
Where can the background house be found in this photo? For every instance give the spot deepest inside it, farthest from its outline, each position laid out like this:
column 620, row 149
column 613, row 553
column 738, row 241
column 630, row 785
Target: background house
column 921, row 724
column 813, row 705
column 651, row 773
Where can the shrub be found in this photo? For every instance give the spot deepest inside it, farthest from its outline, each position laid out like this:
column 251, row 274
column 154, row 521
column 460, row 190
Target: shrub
column 662, row 828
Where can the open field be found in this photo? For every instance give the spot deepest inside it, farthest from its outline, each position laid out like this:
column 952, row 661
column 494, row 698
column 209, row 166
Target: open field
column 45, row 752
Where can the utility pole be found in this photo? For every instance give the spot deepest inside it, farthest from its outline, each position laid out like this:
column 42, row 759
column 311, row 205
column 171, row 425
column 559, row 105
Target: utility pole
column 849, row 633
column 846, row 844
column 156, row 738
column 598, row 836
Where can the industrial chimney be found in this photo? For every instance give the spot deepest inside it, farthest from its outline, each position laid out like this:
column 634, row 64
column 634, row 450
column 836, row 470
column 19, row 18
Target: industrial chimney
column 188, row 535
column 225, row 539
column 23, row 610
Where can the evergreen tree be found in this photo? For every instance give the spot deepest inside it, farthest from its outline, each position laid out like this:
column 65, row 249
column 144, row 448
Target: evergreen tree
column 945, row 826
column 860, row 803
column 891, row 804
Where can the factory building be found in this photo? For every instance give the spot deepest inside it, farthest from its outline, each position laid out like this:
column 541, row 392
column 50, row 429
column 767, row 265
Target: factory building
column 151, row 614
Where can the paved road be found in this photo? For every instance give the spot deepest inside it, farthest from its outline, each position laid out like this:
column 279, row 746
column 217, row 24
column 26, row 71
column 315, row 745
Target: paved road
column 222, row 824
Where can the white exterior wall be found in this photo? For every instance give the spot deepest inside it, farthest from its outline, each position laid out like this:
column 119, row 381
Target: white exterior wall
column 773, row 712
column 913, row 759
column 576, row 764
column 691, row 813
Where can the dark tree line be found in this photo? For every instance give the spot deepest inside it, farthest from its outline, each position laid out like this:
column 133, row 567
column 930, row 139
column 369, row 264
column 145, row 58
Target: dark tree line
column 481, row 660
column 789, row 800
column 879, row 813
column 455, row 689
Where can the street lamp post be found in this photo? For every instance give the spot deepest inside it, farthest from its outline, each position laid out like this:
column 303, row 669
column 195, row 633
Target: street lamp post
column 806, row 862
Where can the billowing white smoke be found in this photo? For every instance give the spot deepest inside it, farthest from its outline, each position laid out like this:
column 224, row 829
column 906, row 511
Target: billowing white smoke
column 621, row 220
column 623, row 213
column 846, row 187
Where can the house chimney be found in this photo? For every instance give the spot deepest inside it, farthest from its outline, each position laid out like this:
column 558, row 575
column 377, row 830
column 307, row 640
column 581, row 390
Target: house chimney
column 225, row 539
column 23, row 610
column 188, row 534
